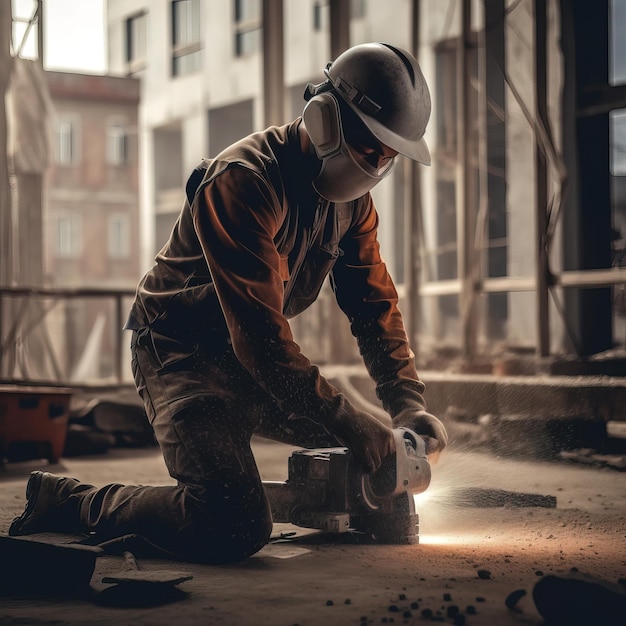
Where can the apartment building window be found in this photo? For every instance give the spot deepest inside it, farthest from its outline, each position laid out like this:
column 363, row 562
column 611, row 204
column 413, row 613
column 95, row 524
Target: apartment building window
column 117, row 144
column 66, row 147
column 247, row 17
column 119, row 236
column 321, row 13
column 136, row 42
column 186, row 41
column 68, row 233
column 357, row 9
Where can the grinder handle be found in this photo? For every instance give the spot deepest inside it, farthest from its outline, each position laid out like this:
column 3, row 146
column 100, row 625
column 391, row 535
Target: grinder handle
column 407, row 470
column 412, row 466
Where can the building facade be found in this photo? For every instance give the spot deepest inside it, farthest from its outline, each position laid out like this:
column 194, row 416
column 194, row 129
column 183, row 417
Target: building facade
column 92, row 184
column 501, row 226
column 91, row 211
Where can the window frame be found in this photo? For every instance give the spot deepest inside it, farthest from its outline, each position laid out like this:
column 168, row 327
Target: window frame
column 245, row 26
column 68, row 233
column 186, row 53
column 136, row 62
column 116, row 143
column 118, row 236
column 358, row 9
column 72, row 144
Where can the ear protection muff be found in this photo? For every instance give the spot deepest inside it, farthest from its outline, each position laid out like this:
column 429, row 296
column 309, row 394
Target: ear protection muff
column 323, row 123
column 342, row 176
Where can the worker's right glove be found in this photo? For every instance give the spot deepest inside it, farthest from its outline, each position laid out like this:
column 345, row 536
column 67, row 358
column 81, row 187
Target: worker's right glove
column 426, row 426
column 367, row 438
column 403, row 400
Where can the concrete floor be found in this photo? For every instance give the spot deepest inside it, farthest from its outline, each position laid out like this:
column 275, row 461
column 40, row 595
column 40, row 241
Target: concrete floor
column 309, row 581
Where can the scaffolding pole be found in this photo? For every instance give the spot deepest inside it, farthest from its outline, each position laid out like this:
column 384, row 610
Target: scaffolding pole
column 413, row 221
column 273, row 63
column 465, row 192
column 6, row 228
column 541, row 173
column 339, row 27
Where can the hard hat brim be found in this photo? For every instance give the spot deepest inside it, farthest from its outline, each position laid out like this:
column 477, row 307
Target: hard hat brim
column 414, row 149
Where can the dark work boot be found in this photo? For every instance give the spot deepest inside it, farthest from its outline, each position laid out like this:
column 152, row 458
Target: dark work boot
column 52, row 505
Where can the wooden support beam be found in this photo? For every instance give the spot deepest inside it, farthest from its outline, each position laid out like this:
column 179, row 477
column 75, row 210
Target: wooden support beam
column 339, row 27
column 273, row 63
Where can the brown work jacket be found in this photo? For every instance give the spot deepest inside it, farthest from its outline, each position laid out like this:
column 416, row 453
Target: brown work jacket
column 251, row 248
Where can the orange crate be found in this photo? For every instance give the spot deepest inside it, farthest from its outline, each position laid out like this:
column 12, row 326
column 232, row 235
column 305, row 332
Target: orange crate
column 33, row 418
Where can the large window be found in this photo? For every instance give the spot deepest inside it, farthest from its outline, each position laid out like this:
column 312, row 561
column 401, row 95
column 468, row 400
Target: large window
column 186, row 41
column 442, row 261
column 136, row 42
column 66, row 146
column 247, row 19
column 68, row 236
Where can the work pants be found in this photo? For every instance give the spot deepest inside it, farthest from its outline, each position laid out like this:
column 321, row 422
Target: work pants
column 204, row 408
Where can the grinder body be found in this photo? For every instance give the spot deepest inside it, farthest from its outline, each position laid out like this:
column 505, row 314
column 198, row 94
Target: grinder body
column 326, row 490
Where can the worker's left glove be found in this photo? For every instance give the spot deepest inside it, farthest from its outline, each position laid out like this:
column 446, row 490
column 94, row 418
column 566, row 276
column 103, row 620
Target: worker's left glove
column 367, row 438
column 427, row 426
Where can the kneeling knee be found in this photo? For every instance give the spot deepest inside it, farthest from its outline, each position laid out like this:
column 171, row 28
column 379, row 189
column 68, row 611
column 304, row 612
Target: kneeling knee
column 240, row 543
column 240, row 532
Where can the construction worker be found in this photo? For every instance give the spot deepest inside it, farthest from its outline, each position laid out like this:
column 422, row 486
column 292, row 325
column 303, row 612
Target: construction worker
column 213, row 356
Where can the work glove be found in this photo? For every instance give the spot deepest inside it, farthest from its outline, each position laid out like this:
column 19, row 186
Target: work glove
column 403, row 400
column 426, row 426
column 368, row 439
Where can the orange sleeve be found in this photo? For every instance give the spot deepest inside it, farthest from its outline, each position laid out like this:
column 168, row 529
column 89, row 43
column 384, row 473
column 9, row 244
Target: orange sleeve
column 236, row 222
column 366, row 292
